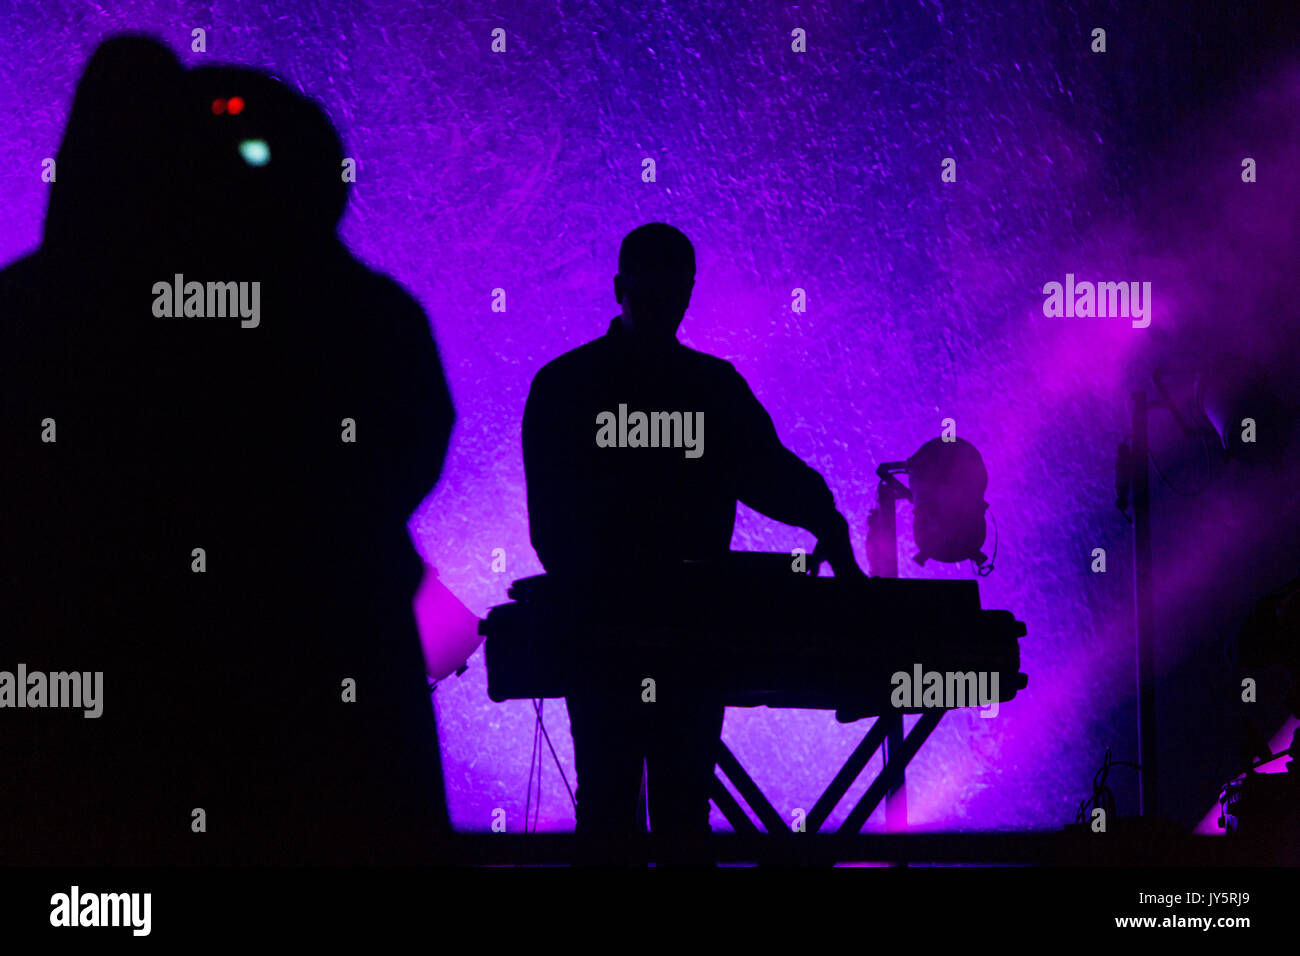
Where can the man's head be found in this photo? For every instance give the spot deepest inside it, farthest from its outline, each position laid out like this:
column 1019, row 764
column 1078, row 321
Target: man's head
column 269, row 171
column 119, row 166
column 656, row 273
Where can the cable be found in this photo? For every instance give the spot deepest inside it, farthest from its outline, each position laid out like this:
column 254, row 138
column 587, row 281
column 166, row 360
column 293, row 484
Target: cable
column 532, row 768
column 985, row 569
column 1102, row 797
column 555, row 756
column 535, row 763
column 540, row 765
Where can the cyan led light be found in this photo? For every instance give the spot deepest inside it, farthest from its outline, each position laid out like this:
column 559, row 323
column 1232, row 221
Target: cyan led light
column 255, row 152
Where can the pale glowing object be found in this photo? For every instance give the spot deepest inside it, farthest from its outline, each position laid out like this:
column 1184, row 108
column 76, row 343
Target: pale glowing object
column 255, row 152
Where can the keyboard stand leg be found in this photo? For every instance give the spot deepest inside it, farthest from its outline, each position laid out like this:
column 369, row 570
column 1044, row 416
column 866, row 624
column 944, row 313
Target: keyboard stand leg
column 731, row 808
column 838, row 787
column 886, row 734
column 893, row 767
column 749, row 791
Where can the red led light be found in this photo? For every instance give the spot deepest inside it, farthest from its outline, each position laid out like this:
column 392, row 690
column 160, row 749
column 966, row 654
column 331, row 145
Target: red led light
column 218, row 107
column 235, row 105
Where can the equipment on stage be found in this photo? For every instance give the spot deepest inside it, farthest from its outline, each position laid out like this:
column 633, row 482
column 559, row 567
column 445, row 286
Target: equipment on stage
column 1259, row 806
column 948, row 481
column 750, row 629
column 1264, row 808
column 947, row 485
column 753, row 631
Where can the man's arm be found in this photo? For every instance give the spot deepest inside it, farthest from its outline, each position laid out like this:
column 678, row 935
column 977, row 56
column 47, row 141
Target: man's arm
column 774, row 481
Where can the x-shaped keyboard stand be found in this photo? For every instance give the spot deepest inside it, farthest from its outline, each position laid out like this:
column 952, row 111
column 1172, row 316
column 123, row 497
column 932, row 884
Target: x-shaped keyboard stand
column 889, row 784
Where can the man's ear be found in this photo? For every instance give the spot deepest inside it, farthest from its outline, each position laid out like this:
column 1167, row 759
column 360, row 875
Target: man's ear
column 618, row 289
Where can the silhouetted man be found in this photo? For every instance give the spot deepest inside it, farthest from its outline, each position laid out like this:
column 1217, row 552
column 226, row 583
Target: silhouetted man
column 636, row 450
column 74, row 358
column 221, row 525
column 324, row 425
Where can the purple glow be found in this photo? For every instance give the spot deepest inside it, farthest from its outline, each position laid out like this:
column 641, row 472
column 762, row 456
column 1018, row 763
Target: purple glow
column 522, row 171
column 448, row 629
column 1209, row 825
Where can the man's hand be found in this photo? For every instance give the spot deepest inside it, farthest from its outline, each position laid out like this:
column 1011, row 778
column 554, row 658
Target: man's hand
column 835, row 548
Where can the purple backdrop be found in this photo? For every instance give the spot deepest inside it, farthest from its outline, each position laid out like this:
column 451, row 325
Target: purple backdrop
column 819, row 170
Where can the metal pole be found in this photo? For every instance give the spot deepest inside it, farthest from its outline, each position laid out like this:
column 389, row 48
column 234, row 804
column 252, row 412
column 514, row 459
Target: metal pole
column 1144, row 610
column 882, row 553
column 882, row 525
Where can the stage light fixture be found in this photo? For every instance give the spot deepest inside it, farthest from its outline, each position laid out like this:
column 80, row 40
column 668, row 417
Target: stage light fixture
column 948, row 480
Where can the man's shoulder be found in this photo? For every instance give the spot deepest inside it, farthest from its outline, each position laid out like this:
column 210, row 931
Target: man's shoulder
column 592, row 358
column 589, row 353
column 573, row 366
column 708, row 364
